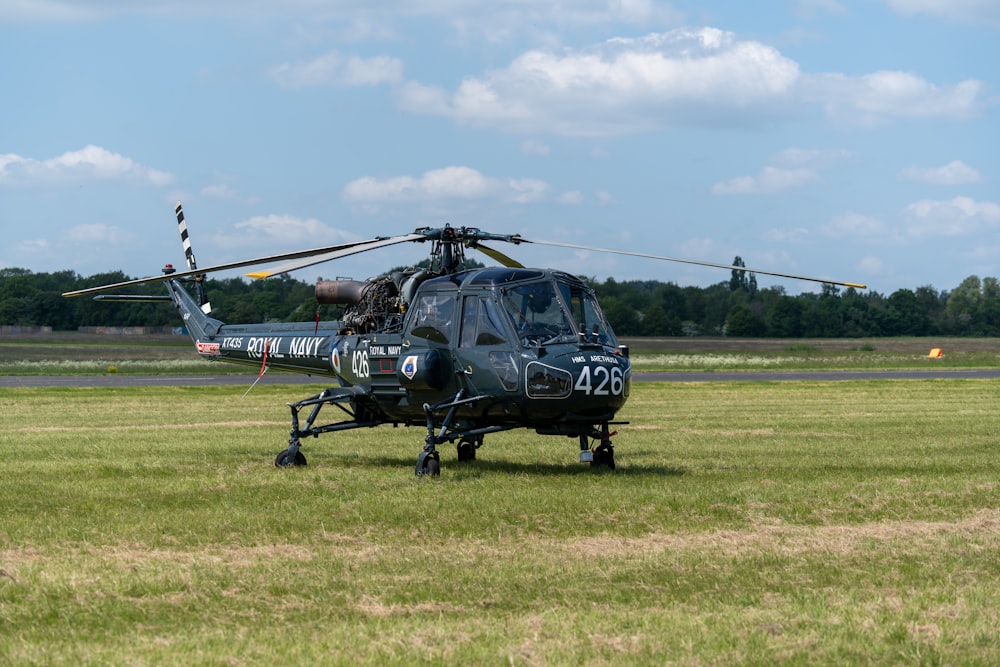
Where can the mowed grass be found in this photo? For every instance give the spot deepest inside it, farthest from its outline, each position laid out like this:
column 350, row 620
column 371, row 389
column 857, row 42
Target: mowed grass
column 755, row 523
column 67, row 353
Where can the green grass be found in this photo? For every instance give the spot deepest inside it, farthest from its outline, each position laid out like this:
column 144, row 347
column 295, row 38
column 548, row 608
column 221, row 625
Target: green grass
column 90, row 354
column 758, row 523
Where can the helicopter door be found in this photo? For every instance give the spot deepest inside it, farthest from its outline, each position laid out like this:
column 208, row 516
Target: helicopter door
column 483, row 347
column 426, row 365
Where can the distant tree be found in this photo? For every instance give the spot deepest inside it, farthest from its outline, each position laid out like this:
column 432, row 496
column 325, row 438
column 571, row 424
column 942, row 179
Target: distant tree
column 742, row 322
column 785, row 318
column 962, row 309
column 904, row 315
column 738, row 279
column 989, row 309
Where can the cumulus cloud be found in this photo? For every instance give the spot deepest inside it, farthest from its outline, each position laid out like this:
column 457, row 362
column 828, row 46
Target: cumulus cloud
column 960, row 216
column 681, row 78
column 955, row 172
column 791, row 168
column 444, row 184
column 853, row 225
column 876, row 98
column 288, row 230
column 622, row 86
column 871, row 265
column 811, row 157
column 91, row 163
column 535, row 148
column 571, row 197
column 96, row 233
column 768, row 181
column 335, row 68
column 495, row 21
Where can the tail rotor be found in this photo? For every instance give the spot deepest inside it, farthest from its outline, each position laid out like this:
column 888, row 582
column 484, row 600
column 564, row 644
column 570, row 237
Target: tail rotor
column 192, row 264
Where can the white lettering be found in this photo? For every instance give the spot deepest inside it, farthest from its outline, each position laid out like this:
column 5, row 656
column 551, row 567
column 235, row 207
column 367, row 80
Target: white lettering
column 386, row 350
column 600, row 381
column 304, row 347
column 258, row 346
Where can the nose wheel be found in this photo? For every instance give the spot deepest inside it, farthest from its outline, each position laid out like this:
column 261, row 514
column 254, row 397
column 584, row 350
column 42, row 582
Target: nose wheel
column 601, row 456
column 292, row 456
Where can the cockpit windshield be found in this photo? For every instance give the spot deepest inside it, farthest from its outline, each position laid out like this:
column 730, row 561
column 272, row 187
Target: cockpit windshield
column 544, row 315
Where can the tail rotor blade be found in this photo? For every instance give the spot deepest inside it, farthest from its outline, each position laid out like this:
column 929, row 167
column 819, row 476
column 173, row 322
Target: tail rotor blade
column 185, row 239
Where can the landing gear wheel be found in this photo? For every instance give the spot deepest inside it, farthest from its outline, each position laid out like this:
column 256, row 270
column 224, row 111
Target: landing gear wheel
column 428, row 465
column 467, row 448
column 604, row 455
column 286, row 460
column 466, row 451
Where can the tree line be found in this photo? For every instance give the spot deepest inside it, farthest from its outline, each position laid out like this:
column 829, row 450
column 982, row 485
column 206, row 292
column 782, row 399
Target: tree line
column 737, row 307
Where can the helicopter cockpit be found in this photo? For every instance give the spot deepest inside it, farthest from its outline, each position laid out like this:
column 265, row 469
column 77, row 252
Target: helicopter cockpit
column 492, row 307
column 550, row 311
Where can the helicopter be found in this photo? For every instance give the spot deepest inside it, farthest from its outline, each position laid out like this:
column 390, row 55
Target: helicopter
column 462, row 352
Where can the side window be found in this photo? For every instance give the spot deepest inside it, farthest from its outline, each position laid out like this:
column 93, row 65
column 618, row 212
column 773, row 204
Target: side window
column 479, row 323
column 432, row 317
column 489, row 332
column 470, row 319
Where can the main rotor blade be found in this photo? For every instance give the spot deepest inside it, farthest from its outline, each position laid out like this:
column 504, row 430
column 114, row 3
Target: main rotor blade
column 336, row 254
column 697, row 263
column 498, row 256
column 219, row 267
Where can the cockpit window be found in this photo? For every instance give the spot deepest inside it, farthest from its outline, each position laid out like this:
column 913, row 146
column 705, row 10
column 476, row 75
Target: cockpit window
column 593, row 326
column 538, row 314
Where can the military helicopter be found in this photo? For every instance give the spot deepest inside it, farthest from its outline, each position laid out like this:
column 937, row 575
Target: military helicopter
column 461, row 352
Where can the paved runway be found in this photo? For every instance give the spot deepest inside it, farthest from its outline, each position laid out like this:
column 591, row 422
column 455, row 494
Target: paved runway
column 678, row 376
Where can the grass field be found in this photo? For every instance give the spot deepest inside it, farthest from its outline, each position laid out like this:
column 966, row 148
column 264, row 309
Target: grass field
column 65, row 353
column 754, row 523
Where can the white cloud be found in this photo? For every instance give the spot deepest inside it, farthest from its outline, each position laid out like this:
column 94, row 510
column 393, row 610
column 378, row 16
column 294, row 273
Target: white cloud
column 955, row 172
column 444, row 184
column 871, row 265
column 811, row 157
column 681, row 78
column 622, row 86
column 287, row 230
column 769, row 181
column 977, row 12
column 94, row 234
column 854, row 225
column 91, row 163
column 335, row 68
column 531, row 147
column 960, row 216
column 876, row 98
column 498, row 20
column 573, row 197
column 227, row 192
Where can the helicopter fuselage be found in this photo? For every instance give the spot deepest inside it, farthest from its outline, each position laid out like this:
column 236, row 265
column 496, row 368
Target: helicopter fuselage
column 521, row 347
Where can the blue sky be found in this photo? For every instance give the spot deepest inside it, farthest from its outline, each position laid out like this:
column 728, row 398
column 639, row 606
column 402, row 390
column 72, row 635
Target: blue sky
column 846, row 140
